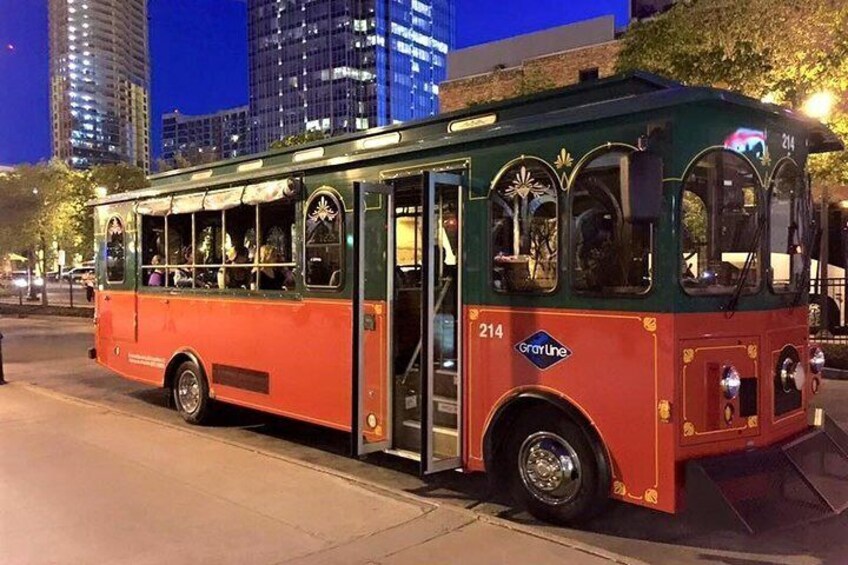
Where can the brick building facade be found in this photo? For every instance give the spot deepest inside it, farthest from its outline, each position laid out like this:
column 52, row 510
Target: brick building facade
column 539, row 73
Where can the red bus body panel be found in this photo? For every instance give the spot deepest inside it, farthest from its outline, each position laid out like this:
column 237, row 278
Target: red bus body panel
column 643, row 380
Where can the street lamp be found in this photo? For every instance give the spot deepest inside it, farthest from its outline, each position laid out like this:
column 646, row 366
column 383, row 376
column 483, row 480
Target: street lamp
column 819, row 105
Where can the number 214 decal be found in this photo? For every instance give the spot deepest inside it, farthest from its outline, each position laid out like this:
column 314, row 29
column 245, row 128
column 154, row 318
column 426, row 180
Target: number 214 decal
column 491, row 331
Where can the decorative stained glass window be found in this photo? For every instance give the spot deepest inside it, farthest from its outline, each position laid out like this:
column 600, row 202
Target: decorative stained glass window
column 324, row 241
column 525, row 227
column 115, row 251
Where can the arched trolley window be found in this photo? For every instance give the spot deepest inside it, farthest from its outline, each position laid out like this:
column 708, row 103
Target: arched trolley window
column 789, row 216
column 115, row 251
column 721, row 225
column 611, row 252
column 324, row 241
column 524, row 227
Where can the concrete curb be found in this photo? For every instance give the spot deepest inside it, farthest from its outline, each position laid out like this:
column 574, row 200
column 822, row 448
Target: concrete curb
column 36, row 310
column 370, row 485
column 835, row 374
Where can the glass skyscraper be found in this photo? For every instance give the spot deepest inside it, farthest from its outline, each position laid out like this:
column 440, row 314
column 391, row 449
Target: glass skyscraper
column 100, row 82
column 207, row 138
column 344, row 65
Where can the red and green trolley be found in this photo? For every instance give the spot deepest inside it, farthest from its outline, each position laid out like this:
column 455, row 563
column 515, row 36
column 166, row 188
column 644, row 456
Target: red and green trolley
column 580, row 292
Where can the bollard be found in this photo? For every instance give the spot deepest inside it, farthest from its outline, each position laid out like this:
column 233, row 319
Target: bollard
column 2, row 379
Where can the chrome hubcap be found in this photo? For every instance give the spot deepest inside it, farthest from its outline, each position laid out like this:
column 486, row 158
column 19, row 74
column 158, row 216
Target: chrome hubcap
column 188, row 391
column 549, row 468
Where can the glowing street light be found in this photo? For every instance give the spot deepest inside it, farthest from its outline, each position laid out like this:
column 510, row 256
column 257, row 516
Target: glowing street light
column 820, row 105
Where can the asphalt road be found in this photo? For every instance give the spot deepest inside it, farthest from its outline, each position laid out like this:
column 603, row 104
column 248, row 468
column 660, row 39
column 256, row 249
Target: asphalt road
column 50, row 353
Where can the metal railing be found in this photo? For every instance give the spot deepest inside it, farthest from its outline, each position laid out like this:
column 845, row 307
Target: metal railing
column 828, row 317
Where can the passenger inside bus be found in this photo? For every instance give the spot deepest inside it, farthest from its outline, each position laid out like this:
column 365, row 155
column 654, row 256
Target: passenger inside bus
column 157, row 276
column 208, row 251
column 235, row 277
column 179, row 254
column 153, row 250
column 273, row 277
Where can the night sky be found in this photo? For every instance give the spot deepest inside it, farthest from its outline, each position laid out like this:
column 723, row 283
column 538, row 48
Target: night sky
column 199, row 56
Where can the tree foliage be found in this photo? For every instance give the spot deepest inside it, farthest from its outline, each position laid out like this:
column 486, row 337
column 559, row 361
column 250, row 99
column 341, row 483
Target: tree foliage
column 785, row 50
column 299, row 139
column 118, row 178
column 43, row 207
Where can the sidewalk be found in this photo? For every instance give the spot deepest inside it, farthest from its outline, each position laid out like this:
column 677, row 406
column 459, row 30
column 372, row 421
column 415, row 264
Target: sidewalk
column 81, row 483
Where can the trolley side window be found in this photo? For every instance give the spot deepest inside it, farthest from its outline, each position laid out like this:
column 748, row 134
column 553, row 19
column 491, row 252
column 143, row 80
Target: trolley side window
column 789, row 217
column 276, row 257
column 115, row 251
column 236, row 238
column 180, row 246
column 525, row 228
column 323, row 241
column 720, row 214
column 239, row 248
column 208, row 249
column 611, row 254
column 153, row 256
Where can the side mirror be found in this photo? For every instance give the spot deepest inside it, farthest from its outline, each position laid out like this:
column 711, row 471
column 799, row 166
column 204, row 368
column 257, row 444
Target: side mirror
column 642, row 187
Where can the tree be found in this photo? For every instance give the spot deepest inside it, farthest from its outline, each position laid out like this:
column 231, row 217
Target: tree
column 163, row 165
column 43, row 208
column 299, row 139
column 783, row 50
column 118, row 178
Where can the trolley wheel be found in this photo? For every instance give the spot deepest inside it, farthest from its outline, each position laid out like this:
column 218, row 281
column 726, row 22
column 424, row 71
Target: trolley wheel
column 191, row 394
column 553, row 470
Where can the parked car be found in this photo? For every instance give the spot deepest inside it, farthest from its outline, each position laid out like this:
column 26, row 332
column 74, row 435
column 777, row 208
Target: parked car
column 77, row 273
column 20, row 279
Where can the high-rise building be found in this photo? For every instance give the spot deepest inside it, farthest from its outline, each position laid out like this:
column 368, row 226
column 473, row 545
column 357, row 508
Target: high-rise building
column 344, row 65
column 100, row 82
column 206, row 138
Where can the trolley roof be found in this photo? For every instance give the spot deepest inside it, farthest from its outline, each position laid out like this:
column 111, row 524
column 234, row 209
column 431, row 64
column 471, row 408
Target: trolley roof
column 615, row 96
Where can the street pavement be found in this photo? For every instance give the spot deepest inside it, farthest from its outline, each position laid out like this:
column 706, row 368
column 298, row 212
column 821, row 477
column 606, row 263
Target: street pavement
column 84, row 484
column 95, row 468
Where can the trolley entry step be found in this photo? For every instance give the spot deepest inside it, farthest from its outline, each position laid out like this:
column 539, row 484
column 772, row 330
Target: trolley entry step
column 802, row 480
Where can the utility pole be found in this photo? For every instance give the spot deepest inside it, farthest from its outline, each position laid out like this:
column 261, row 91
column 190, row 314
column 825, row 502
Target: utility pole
column 824, row 260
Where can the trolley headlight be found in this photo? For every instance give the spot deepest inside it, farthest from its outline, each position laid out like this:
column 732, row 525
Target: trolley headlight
column 792, row 375
column 817, row 360
column 731, row 382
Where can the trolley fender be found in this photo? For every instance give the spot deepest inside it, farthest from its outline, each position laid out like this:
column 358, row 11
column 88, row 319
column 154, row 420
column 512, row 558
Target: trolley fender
column 510, row 407
column 185, row 354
